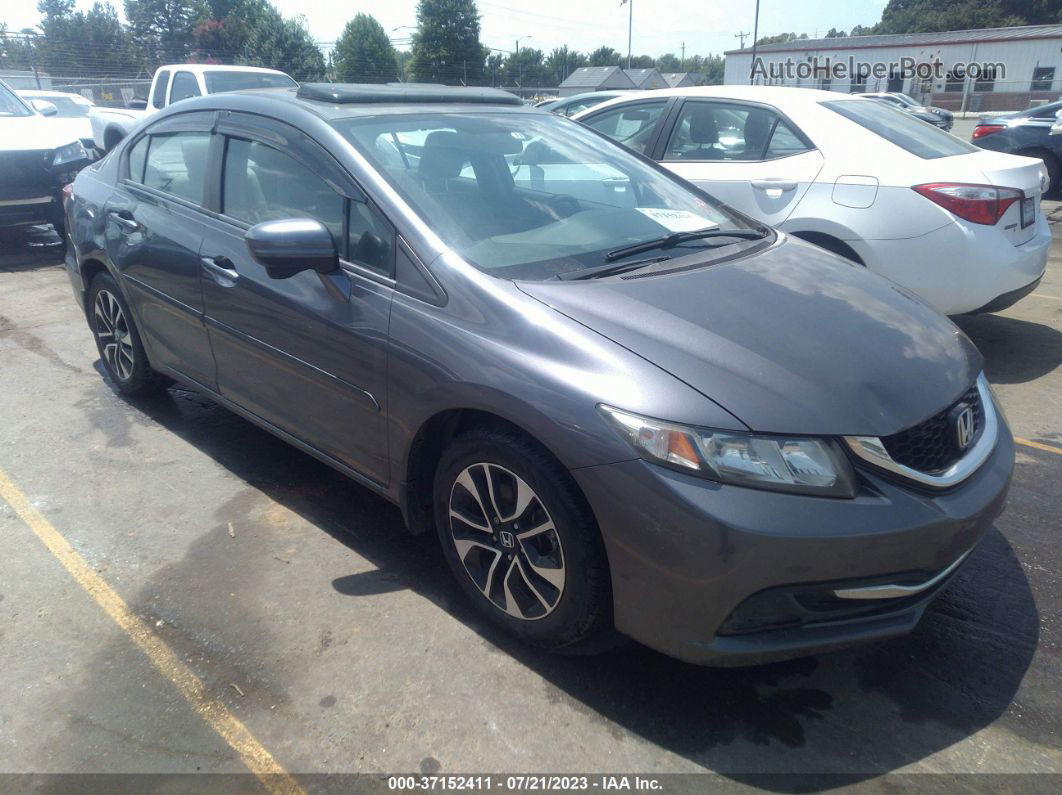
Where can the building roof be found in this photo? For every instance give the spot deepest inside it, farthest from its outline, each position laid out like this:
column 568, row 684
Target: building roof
column 911, row 39
column 674, row 78
column 590, row 77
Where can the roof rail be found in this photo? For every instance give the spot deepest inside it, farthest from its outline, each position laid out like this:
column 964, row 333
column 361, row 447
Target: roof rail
column 359, row 93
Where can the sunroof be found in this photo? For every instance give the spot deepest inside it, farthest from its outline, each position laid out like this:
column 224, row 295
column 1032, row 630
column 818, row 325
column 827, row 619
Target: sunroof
column 357, row 93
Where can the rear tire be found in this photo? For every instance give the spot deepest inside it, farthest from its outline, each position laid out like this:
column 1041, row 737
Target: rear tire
column 118, row 340
column 522, row 542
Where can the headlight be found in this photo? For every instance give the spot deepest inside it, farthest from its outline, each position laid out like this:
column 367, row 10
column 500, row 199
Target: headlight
column 70, row 153
column 781, row 463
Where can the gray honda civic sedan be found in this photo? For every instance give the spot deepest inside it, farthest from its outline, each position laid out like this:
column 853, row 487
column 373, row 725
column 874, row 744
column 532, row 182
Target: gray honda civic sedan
column 625, row 408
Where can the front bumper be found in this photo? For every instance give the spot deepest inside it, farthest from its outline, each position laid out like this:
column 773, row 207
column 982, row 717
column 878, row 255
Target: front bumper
column 708, row 573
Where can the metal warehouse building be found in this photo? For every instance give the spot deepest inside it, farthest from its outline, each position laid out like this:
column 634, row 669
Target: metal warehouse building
column 1023, row 66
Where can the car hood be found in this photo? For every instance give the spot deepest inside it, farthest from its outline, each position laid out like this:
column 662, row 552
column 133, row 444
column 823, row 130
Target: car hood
column 790, row 340
column 29, row 133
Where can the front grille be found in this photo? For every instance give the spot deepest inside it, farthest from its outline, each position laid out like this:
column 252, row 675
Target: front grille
column 931, row 446
column 25, row 175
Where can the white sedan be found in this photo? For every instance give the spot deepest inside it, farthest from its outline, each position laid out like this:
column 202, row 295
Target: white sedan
column 960, row 226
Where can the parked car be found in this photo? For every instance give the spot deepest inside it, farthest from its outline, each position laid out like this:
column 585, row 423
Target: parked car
column 938, row 117
column 71, row 112
column 618, row 402
column 1025, row 133
column 174, row 83
column 569, row 106
column 37, row 159
column 959, row 226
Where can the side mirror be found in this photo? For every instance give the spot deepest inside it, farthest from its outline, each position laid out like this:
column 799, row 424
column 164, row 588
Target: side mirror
column 291, row 246
column 44, row 107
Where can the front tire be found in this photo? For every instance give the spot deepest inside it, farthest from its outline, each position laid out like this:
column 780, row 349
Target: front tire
column 522, row 542
column 118, row 339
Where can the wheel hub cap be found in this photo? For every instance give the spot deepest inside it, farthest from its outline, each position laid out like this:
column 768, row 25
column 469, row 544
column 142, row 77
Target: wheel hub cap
column 112, row 331
column 507, row 541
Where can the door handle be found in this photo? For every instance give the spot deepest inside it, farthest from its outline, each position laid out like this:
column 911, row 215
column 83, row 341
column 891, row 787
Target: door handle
column 221, row 270
column 774, row 183
column 124, row 220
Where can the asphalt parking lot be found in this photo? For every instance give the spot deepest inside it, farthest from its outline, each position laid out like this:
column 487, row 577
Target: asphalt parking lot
column 225, row 574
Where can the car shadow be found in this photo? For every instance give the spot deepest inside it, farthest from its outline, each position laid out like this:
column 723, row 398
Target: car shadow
column 29, row 247
column 854, row 714
column 1016, row 351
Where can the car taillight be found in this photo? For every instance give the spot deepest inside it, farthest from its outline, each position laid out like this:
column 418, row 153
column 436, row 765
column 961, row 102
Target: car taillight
column 981, row 204
column 985, row 129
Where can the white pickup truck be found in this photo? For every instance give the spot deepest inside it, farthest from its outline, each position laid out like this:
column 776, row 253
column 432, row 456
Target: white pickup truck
column 176, row 82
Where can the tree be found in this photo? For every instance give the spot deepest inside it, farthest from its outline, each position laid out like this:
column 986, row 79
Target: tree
column 712, row 69
column 166, row 28
column 605, row 56
column 89, row 43
column 919, row 16
column 285, row 44
column 833, row 33
column 16, row 50
column 669, row 62
column 643, row 62
column 562, row 62
column 364, row 54
column 781, row 38
column 446, row 46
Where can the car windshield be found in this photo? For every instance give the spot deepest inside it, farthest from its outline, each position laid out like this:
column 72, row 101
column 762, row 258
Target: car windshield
column 220, row 82
column 902, row 129
column 68, row 108
column 11, row 105
column 531, row 195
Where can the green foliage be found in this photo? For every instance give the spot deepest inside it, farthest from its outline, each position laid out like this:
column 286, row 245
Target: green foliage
column 446, row 46
column 16, row 52
column 917, row 16
column 89, row 43
column 605, row 56
column 284, row 44
column 669, row 62
column 560, row 63
column 781, row 38
column 165, row 28
column 364, row 54
column 833, row 33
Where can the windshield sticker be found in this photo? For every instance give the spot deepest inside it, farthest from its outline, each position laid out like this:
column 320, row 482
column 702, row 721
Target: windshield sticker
column 676, row 220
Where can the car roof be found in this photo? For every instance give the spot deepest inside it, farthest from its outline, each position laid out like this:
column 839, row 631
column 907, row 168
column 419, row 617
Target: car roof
column 199, row 68
column 781, row 96
column 284, row 103
column 44, row 92
column 390, row 93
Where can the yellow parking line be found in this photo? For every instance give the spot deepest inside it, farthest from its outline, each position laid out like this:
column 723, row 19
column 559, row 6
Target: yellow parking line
column 253, row 754
column 1038, row 445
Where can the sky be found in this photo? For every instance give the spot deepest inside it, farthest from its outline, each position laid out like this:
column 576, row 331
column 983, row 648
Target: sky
column 706, row 26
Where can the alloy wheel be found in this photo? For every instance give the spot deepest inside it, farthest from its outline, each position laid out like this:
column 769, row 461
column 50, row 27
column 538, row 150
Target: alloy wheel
column 112, row 331
column 507, row 541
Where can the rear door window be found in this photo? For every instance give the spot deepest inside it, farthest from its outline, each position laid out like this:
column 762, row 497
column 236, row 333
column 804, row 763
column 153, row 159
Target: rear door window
column 900, row 128
column 184, row 86
column 725, row 131
column 176, row 164
column 158, row 96
column 631, row 125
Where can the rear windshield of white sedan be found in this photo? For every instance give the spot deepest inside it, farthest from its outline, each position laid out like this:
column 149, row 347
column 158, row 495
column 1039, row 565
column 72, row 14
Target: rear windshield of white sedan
column 897, row 127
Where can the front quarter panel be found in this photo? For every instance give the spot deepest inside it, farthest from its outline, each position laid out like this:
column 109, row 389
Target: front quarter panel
column 492, row 348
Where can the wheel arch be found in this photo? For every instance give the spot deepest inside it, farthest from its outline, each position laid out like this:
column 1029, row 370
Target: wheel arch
column 830, row 243
column 426, row 448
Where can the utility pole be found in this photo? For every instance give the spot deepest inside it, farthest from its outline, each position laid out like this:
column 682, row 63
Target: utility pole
column 755, row 35
column 683, row 69
column 742, row 36
column 630, row 27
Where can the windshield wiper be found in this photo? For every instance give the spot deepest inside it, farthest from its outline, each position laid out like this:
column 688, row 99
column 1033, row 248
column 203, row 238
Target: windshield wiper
column 668, row 241
column 608, row 269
